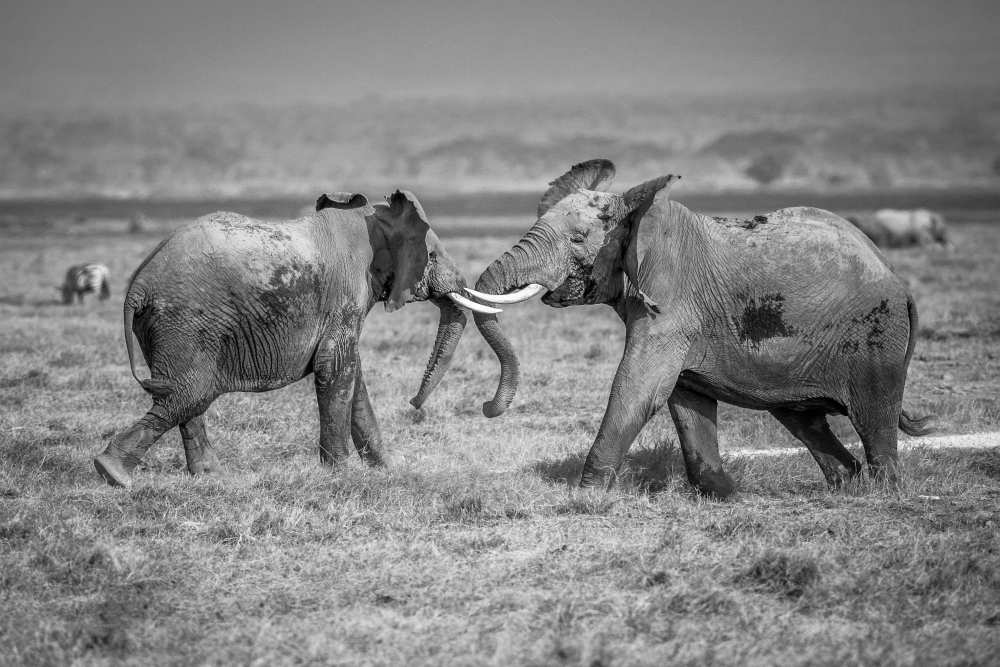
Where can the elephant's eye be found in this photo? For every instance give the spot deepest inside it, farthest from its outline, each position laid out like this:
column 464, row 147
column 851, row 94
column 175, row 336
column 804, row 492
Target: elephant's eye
column 578, row 237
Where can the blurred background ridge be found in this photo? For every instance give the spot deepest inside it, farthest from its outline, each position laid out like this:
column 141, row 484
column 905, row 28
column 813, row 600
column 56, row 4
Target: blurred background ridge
column 221, row 98
column 818, row 143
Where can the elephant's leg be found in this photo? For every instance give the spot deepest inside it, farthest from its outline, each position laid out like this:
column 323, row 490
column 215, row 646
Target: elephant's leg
column 334, row 372
column 812, row 429
column 198, row 449
column 695, row 417
column 879, row 434
column 876, row 400
column 645, row 378
column 364, row 425
column 122, row 455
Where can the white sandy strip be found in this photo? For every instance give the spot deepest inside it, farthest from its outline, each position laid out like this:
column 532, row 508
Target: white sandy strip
column 987, row 439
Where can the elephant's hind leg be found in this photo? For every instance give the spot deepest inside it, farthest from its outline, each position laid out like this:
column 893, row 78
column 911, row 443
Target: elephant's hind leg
column 364, row 426
column 334, row 371
column 812, row 429
column 695, row 417
column 875, row 403
column 198, row 450
column 122, row 455
column 879, row 434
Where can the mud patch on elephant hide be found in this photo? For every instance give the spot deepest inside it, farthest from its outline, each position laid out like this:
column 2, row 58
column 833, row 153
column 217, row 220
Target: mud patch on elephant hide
column 762, row 318
column 870, row 329
column 875, row 321
column 744, row 223
column 288, row 285
column 234, row 223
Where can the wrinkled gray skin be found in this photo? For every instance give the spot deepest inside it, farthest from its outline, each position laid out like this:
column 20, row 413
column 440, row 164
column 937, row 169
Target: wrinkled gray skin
column 898, row 228
column 229, row 303
column 795, row 312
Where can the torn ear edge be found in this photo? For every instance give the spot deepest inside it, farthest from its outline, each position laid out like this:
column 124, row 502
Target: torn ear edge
column 645, row 222
column 633, row 290
column 342, row 200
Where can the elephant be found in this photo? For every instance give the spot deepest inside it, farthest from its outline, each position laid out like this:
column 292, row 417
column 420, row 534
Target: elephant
column 795, row 312
column 895, row 228
column 229, row 303
column 85, row 278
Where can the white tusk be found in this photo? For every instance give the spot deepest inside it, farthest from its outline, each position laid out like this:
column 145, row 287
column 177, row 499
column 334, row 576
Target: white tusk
column 517, row 296
column 472, row 305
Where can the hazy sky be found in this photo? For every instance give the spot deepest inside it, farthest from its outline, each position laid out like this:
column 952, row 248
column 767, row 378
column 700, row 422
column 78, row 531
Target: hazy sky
column 109, row 52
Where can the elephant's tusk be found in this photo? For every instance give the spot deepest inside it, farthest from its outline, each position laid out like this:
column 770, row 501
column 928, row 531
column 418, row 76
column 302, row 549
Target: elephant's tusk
column 517, row 296
column 472, row 305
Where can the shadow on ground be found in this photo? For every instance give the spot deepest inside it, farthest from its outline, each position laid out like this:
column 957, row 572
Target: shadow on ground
column 653, row 469
column 22, row 300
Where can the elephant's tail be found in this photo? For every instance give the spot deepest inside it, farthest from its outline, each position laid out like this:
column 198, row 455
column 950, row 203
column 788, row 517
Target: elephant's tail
column 134, row 300
column 909, row 424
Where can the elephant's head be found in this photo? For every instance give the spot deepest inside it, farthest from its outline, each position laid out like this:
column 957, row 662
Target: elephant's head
column 936, row 228
column 410, row 264
column 578, row 252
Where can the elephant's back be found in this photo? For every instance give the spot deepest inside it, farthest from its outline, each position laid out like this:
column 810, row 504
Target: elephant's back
column 809, row 236
column 899, row 221
column 234, row 252
column 822, row 227
column 250, row 248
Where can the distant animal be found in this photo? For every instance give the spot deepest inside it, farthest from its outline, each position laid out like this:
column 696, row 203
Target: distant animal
column 795, row 312
column 898, row 228
column 229, row 303
column 85, row 278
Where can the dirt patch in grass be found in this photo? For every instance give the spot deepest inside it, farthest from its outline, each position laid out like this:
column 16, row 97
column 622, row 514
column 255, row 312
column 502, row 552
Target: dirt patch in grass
column 34, row 379
column 781, row 573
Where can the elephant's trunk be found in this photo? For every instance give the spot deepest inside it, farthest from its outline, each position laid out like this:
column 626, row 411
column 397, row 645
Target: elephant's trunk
column 449, row 332
column 531, row 261
column 510, row 372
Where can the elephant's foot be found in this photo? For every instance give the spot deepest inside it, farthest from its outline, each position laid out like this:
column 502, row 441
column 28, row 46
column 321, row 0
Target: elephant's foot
column 377, row 456
column 201, row 460
column 598, row 478
column 838, row 477
column 111, row 469
column 885, row 473
column 714, row 484
column 116, row 463
column 333, row 458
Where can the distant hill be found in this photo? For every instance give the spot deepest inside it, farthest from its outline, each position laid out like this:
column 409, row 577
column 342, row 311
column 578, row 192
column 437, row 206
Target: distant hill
column 819, row 143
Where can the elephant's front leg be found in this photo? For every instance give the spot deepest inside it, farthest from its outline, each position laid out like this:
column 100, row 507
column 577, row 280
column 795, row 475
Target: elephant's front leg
column 646, row 376
column 695, row 417
column 334, row 371
column 364, row 425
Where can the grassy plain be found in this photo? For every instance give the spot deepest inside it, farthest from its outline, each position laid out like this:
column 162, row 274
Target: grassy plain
column 477, row 548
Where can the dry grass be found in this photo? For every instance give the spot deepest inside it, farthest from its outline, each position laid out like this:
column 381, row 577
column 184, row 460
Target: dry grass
column 477, row 549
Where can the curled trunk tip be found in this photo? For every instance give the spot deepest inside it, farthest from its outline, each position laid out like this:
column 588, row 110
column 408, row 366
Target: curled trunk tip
column 510, row 373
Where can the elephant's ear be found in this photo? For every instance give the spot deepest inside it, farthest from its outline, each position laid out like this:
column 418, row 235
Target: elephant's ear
column 590, row 175
column 405, row 226
column 341, row 200
column 646, row 228
column 638, row 199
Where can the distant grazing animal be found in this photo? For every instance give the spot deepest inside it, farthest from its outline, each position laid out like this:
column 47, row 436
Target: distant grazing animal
column 794, row 312
column 896, row 228
column 84, row 278
column 228, row 303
